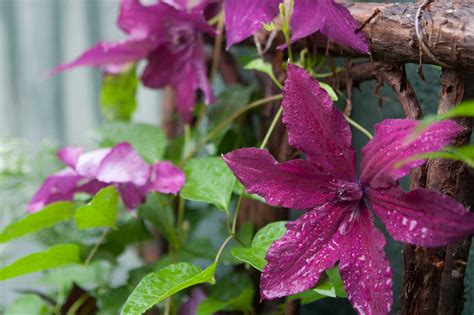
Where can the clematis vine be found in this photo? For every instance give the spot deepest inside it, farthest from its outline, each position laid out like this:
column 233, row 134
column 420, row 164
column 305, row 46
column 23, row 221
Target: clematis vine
column 245, row 17
column 121, row 166
column 169, row 36
column 340, row 223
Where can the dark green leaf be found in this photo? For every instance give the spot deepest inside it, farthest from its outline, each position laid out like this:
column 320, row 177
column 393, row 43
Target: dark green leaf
column 148, row 140
column 255, row 255
column 117, row 97
column 43, row 219
column 229, row 101
column 233, row 293
column 100, row 212
column 159, row 212
column 55, row 256
column 208, row 180
column 157, row 286
column 329, row 285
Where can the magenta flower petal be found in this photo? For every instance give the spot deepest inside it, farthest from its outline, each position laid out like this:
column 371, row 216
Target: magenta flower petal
column 421, row 217
column 315, row 126
column 311, row 245
column 57, row 187
column 111, row 55
column 123, row 165
column 245, row 17
column 88, row 163
column 298, row 184
column 331, row 19
column 392, row 144
column 365, row 271
column 166, row 178
column 70, row 155
column 140, row 21
column 186, row 72
column 132, row 195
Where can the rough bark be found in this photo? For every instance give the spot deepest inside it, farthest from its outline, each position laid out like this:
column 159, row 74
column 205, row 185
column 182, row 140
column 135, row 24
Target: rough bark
column 433, row 278
column 447, row 29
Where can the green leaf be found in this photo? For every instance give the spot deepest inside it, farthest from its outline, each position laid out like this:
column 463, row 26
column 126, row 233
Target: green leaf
column 330, row 90
column 157, row 286
column 117, row 97
column 160, row 213
column 240, row 189
column 465, row 109
column 30, row 304
column 233, row 293
column 43, row 219
column 336, row 281
column 329, row 285
column 229, row 101
column 100, row 212
column 464, row 153
column 208, row 180
column 55, row 256
column 95, row 274
column 255, row 255
column 260, row 65
column 148, row 140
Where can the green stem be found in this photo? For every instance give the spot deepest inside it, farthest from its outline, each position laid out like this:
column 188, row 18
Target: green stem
column 236, row 214
column 272, row 127
column 358, row 127
column 96, row 247
column 227, row 240
column 214, row 132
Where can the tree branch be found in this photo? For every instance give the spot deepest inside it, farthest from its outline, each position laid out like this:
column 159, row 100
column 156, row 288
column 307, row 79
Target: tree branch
column 446, row 27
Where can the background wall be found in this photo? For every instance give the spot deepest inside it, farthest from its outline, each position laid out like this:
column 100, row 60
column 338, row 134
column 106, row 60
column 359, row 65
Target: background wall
column 36, row 36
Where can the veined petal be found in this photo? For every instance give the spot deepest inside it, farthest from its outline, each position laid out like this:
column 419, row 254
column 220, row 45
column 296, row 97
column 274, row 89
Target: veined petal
column 365, row 270
column 331, row 19
column 315, row 126
column 311, row 245
column 58, row 186
column 112, row 55
column 421, row 217
column 392, row 144
column 70, row 155
column 245, row 17
column 298, row 184
column 166, row 178
column 123, row 165
column 88, row 163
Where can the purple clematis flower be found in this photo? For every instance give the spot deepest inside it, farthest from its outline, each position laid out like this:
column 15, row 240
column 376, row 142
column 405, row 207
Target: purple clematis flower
column 244, row 17
column 120, row 166
column 340, row 225
column 169, row 36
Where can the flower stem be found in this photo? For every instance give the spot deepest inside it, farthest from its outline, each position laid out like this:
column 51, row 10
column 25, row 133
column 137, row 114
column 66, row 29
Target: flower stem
column 358, row 127
column 221, row 249
column 214, row 132
column 272, row 127
column 216, row 53
column 236, row 214
column 96, row 247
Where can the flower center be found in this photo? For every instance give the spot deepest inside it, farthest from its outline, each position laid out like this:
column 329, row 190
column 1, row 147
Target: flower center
column 181, row 36
column 348, row 192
